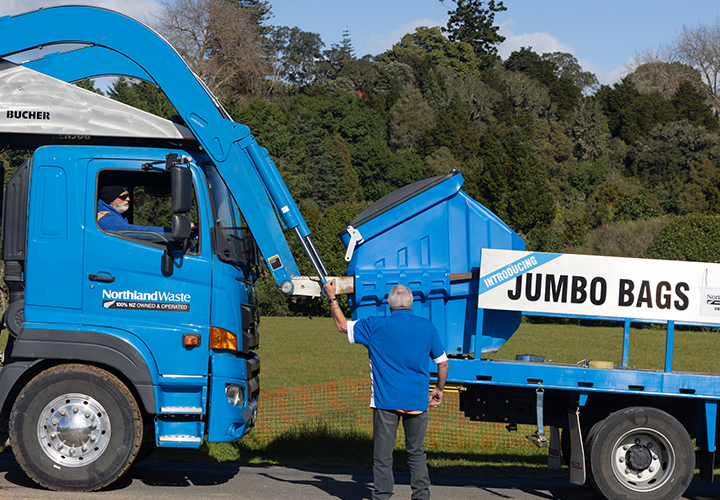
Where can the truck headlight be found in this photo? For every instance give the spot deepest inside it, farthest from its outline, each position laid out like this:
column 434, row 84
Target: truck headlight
column 235, row 394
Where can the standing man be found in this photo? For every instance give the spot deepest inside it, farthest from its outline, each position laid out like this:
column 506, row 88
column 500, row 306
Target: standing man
column 399, row 347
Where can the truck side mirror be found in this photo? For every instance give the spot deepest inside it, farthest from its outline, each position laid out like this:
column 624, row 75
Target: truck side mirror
column 181, row 228
column 181, row 185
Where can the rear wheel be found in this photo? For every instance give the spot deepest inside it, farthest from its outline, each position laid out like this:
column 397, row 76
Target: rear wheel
column 641, row 453
column 75, row 428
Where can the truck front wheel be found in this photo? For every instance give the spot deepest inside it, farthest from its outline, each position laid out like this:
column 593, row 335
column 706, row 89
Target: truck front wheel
column 75, row 428
column 641, row 453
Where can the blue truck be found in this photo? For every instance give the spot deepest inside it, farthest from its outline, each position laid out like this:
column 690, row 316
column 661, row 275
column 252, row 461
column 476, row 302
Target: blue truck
column 124, row 341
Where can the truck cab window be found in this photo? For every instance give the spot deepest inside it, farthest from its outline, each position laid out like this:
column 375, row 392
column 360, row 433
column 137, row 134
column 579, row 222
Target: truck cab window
column 138, row 205
column 232, row 240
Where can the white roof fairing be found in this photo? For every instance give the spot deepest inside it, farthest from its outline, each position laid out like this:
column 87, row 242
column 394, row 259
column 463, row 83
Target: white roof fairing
column 34, row 103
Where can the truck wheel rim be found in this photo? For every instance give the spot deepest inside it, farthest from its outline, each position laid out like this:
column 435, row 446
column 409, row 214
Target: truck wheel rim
column 73, row 430
column 643, row 460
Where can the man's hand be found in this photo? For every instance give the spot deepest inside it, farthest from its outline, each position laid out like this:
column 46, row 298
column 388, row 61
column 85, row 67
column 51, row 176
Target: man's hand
column 435, row 397
column 329, row 288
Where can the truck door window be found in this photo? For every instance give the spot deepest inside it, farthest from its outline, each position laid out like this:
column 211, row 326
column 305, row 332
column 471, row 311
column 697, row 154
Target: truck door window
column 148, row 216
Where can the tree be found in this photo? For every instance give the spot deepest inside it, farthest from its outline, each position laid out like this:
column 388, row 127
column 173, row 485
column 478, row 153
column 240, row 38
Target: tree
column 480, row 99
column 363, row 73
column 430, row 43
column 690, row 105
column 347, row 188
column 701, row 190
column 587, row 127
column 553, row 151
column 441, row 162
column 512, row 187
column 392, row 79
column 222, row 42
column 142, row 95
column 89, row 85
column 699, row 47
column 694, row 237
column 664, row 77
column 473, row 24
column 642, row 114
column 614, row 100
column 409, row 118
column 568, row 66
column 664, row 158
column 269, row 125
column 299, row 53
column 453, row 130
column 564, row 94
column 526, row 94
column 532, row 65
column 337, row 57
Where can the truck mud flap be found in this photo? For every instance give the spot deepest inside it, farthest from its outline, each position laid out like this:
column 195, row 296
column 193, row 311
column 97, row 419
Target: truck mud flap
column 577, row 453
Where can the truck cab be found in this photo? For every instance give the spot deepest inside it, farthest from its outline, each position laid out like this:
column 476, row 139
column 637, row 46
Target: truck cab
column 174, row 319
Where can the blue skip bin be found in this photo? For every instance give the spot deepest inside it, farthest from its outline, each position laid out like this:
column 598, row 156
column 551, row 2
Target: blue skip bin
column 428, row 236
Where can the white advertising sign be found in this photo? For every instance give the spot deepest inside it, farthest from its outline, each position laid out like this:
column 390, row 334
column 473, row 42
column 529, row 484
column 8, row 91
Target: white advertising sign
column 610, row 287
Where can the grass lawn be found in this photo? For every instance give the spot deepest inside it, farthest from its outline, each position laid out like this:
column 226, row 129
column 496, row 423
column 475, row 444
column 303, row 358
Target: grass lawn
column 302, row 351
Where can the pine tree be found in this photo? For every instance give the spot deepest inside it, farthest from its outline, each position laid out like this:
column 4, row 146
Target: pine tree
column 473, row 24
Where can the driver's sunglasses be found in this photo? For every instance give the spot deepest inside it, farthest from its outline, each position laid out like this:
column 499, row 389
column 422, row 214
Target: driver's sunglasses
column 124, row 197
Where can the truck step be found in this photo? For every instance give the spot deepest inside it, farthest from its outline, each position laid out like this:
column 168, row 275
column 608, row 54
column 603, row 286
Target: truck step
column 180, row 439
column 179, row 434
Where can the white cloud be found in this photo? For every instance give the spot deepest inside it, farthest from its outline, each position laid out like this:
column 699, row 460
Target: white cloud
column 138, row 9
column 606, row 77
column 379, row 43
column 539, row 42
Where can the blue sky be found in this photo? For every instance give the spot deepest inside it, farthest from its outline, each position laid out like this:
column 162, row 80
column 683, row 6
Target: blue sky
column 602, row 35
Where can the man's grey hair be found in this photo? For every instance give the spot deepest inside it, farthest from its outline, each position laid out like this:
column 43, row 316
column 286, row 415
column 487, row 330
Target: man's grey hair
column 400, row 297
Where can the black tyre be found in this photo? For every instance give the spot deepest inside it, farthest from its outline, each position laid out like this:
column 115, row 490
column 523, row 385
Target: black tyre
column 641, row 453
column 75, row 428
column 589, row 480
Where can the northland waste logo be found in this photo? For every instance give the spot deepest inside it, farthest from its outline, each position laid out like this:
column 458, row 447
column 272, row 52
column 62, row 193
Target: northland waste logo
column 146, row 301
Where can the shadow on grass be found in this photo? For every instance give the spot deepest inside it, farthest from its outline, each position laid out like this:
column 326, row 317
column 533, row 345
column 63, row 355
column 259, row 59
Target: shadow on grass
column 320, row 445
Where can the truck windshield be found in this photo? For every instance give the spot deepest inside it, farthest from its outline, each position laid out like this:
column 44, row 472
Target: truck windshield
column 232, row 240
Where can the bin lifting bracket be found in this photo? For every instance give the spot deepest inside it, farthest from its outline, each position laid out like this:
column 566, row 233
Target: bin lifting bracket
column 355, row 239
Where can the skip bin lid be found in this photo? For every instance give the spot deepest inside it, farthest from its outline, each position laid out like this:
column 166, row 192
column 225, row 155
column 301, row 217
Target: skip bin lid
column 397, row 197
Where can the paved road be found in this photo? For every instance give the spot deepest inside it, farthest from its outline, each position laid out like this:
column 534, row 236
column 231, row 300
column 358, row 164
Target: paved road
column 159, row 480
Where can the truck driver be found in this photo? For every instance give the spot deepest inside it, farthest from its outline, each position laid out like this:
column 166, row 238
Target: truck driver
column 115, row 201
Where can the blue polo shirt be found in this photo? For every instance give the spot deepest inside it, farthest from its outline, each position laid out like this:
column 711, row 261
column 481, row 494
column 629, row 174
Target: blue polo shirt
column 110, row 219
column 399, row 347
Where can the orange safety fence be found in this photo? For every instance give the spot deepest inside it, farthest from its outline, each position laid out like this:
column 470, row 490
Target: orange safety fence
column 343, row 407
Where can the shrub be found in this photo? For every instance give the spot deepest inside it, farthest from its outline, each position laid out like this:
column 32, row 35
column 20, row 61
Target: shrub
column 691, row 237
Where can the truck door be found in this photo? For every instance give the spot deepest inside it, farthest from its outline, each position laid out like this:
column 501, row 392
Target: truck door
column 125, row 289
